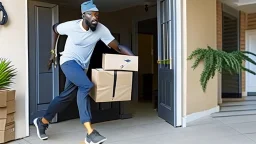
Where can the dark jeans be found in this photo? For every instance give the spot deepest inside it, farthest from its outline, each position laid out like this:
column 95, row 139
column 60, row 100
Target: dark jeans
column 75, row 78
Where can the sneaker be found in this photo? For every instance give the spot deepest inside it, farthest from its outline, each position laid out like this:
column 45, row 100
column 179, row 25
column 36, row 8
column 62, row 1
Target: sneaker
column 95, row 138
column 40, row 128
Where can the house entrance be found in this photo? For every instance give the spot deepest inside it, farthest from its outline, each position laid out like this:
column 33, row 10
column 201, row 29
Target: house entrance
column 153, row 84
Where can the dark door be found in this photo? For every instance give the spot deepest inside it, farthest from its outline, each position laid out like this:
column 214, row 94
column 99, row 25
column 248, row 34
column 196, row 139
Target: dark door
column 166, row 101
column 46, row 84
column 42, row 86
column 100, row 111
column 231, row 84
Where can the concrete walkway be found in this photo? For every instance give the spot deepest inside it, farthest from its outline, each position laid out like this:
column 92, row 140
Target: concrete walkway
column 147, row 128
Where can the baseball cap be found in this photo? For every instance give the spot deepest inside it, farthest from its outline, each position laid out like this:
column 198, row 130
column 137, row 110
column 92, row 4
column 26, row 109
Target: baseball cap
column 88, row 6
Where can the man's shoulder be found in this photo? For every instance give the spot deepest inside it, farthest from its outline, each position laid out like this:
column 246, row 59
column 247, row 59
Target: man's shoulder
column 72, row 22
column 102, row 27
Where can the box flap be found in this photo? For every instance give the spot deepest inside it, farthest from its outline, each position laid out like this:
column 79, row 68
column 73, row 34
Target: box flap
column 8, row 134
column 3, row 98
column 3, row 112
column 6, row 122
column 2, row 124
column 11, row 106
column 119, row 62
column 106, row 87
column 10, row 118
column 6, row 95
column 11, row 95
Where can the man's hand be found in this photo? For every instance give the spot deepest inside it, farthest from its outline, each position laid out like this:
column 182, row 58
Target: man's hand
column 51, row 60
column 53, row 57
column 120, row 48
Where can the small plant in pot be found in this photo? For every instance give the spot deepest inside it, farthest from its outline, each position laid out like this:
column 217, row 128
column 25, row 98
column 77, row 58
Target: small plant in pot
column 7, row 73
column 219, row 61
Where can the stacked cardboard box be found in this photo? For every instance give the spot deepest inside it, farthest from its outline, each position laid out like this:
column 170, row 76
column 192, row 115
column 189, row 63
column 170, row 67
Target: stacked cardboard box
column 113, row 82
column 7, row 111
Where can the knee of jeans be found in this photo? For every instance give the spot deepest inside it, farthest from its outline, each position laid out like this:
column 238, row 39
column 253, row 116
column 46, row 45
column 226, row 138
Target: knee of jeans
column 87, row 86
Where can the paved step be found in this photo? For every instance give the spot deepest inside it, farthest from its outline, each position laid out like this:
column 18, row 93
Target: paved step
column 242, row 103
column 250, row 98
column 238, row 108
column 233, row 113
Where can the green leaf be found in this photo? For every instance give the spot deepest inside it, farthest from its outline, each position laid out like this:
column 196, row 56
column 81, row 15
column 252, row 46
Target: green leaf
column 220, row 61
column 7, row 73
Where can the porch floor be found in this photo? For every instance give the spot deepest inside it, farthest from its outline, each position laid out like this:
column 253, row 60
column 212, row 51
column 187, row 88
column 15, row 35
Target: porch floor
column 147, row 128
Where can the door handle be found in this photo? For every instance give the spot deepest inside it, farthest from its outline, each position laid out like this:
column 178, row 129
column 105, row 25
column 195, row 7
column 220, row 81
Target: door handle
column 165, row 61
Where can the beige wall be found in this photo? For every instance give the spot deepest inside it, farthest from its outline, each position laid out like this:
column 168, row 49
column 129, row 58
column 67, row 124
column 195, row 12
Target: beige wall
column 201, row 31
column 14, row 46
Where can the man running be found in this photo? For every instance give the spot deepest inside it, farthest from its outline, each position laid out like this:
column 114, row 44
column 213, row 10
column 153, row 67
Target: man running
column 83, row 34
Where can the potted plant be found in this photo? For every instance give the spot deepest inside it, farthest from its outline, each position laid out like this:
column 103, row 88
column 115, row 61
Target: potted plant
column 7, row 73
column 218, row 60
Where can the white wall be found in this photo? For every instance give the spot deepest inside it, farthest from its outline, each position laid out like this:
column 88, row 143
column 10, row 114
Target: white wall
column 14, row 46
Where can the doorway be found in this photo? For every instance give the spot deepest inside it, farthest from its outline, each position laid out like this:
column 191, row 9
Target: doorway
column 161, row 94
column 148, row 67
column 43, row 83
column 231, row 84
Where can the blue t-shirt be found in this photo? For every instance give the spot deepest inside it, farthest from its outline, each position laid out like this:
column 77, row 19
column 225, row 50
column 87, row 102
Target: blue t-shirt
column 80, row 43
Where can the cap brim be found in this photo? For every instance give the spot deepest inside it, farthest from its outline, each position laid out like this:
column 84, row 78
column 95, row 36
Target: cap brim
column 93, row 9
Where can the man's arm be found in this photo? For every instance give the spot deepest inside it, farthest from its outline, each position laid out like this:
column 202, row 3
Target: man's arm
column 56, row 34
column 120, row 48
column 53, row 54
column 110, row 41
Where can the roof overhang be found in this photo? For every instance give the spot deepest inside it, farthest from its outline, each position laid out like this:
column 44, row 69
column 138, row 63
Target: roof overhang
column 248, row 6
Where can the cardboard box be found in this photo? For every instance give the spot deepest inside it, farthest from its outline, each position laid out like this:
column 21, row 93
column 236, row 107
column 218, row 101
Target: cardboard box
column 5, row 96
column 6, row 122
column 8, row 134
column 111, row 86
column 119, row 62
column 4, row 111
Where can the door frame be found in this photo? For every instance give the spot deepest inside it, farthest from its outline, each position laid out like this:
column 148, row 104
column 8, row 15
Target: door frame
column 32, row 40
column 247, row 33
column 178, row 40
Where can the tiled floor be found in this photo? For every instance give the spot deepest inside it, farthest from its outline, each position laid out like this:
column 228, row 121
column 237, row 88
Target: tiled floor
column 147, row 128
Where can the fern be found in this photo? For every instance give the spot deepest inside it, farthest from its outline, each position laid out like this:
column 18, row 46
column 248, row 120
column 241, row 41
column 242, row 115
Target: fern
column 7, row 73
column 217, row 60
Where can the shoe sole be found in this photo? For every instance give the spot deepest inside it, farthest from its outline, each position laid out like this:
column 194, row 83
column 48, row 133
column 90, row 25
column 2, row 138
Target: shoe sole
column 100, row 142
column 37, row 130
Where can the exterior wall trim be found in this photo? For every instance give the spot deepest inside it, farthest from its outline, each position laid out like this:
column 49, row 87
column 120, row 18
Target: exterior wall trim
column 198, row 115
column 247, row 33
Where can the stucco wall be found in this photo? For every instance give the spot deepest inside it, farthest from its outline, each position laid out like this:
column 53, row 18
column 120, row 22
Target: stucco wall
column 14, row 46
column 201, row 31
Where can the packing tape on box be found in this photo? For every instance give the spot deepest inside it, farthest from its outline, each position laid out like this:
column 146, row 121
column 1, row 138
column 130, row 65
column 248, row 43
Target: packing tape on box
column 114, row 84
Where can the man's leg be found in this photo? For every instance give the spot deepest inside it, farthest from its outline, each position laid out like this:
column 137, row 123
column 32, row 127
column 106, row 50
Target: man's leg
column 57, row 105
column 78, row 76
column 61, row 102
